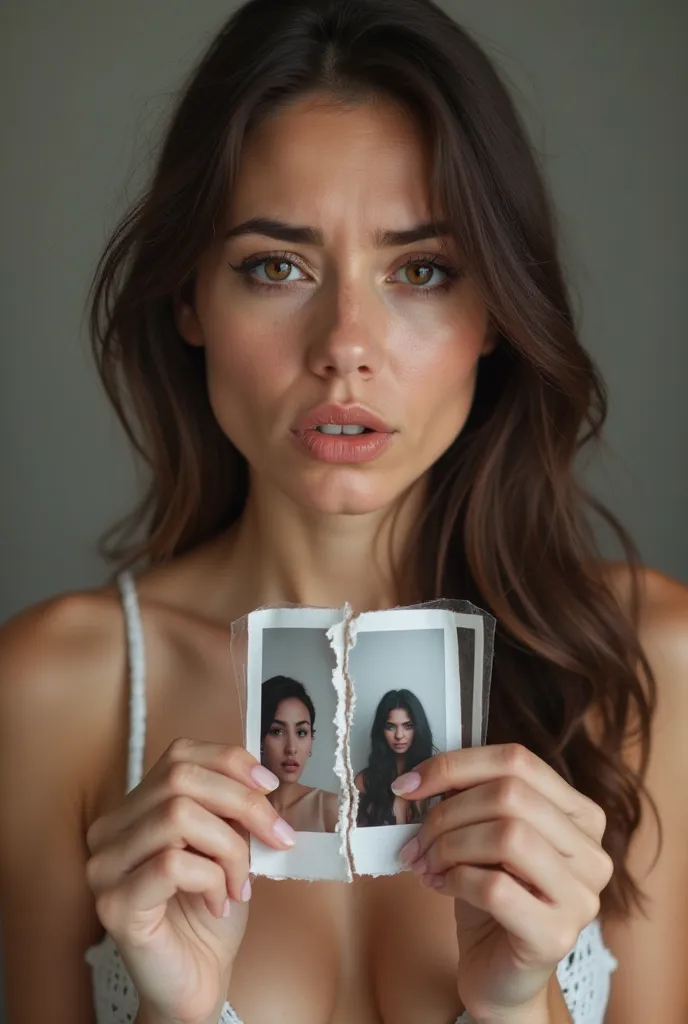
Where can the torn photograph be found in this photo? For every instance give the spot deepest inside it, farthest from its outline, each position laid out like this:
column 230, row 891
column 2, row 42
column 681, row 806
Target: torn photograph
column 404, row 671
column 292, row 708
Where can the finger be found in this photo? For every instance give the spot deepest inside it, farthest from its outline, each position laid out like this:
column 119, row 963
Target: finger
column 547, row 936
column 168, row 772
column 178, row 824
column 155, row 882
column 474, row 766
column 512, row 845
column 511, row 798
column 217, row 793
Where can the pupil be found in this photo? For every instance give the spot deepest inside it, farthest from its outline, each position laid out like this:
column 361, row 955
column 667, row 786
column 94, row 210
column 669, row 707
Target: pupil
column 282, row 269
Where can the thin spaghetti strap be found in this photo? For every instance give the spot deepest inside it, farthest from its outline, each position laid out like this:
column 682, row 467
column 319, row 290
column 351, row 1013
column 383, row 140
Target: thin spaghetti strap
column 136, row 659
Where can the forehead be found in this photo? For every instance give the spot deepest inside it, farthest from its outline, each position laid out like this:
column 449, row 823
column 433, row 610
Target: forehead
column 319, row 163
column 398, row 715
column 292, row 710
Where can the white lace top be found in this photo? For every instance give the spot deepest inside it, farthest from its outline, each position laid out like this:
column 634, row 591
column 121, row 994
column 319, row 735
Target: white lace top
column 584, row 975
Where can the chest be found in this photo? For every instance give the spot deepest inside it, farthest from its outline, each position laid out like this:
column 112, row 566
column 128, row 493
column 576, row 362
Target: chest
column 375, row 951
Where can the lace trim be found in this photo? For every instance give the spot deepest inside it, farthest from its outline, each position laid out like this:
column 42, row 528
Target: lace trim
column 584, row 976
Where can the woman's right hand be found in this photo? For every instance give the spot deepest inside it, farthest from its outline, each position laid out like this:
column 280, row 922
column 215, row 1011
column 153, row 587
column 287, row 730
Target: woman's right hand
column 171, row 861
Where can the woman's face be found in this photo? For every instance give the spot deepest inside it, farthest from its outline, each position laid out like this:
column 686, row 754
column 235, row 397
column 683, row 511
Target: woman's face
column 312, row 297
column 399, row 730
column 287, row 743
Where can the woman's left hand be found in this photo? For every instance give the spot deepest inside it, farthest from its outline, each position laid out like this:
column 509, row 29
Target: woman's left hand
column 520, row 852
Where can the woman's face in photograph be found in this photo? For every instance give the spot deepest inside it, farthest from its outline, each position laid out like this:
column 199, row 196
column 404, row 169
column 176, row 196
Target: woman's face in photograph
column 328, row 305
column 288, row 742
column 399, row 730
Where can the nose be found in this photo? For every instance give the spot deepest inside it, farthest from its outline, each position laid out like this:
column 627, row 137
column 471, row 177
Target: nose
column 349, row 335
column 290, row 746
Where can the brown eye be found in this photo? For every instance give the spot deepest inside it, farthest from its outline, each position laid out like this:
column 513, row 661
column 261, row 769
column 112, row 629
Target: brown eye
column 420, row 273
column 277, row 270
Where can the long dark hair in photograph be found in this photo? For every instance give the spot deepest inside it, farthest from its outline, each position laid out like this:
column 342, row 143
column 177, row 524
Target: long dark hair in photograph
column 273, row 692
column 506, row 521
column 376, row 802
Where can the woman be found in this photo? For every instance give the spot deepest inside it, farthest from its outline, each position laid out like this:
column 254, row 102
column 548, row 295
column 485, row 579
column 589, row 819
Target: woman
column 337, row 329
column 400, row 740
column 287, row 734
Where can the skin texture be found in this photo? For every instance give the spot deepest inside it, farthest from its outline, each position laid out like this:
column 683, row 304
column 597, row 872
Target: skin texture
column 379, row 950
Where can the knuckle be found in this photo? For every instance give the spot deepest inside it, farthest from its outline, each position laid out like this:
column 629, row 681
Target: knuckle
column 516, row 758
column 564, row 939
column 607, row 867
column 176, row 812
column 255, row 803
column 232, row 760
column 92, row 835
column 436, row 818
column 179, row 749
column 179, row 776
column 92, row 873
column 598, row 819
column 168, row 863
column 592, row 906
column 512, row 838
column 511, row 795
column 494, row 888
column 106, row 905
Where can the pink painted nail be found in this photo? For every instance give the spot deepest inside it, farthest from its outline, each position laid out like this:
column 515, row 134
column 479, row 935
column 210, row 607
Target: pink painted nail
column 406, row 783
column 284, row 832
column 420, row 867
column 264, row 778
column 246, row 891
column 409, row 852
column 227, row 908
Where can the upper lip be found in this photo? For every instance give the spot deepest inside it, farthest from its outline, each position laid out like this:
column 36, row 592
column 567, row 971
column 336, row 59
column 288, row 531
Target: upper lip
column 334, row 412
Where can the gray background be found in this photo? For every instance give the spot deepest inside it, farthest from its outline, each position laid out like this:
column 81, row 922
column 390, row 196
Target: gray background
column 410, row 659
column 84, row 87
column 306, row 655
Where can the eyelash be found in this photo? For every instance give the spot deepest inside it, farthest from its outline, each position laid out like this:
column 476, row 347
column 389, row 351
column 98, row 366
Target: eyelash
column 245, row 268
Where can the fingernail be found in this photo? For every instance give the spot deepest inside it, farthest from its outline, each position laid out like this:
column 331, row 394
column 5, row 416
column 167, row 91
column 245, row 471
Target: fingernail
column 406, row 783
column 264, row 778
column 246, row 891
column 284, row 832
column 410, row 852
column 226, row 909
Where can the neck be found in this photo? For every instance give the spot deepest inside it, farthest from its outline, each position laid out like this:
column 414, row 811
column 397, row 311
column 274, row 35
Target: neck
column 285, row 795
column 283, row 552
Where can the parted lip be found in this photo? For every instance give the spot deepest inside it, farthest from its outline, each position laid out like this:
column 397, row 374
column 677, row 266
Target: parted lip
column 336, row 413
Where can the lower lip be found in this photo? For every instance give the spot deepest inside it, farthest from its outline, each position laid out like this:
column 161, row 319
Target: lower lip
column 400, row 746
column 342, row 447
column 291, row 768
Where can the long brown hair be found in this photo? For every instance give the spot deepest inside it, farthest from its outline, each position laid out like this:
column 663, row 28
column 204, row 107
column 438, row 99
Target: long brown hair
column 506, row 525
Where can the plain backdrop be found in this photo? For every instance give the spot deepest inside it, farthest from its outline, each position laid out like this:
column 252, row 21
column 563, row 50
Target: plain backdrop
column 408, row 659
column 84, row 89
column 306, row 655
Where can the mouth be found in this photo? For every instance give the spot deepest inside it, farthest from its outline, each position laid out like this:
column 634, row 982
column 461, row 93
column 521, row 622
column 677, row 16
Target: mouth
column 290, row 766
column 342, row 433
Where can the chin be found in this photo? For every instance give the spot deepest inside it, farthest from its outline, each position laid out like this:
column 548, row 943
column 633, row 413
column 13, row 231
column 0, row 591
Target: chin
column 346, row 491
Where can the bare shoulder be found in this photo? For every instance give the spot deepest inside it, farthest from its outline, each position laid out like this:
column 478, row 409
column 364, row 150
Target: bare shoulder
column 59, row 668
column 651, row 982
column 359, row 782
column 662, row 623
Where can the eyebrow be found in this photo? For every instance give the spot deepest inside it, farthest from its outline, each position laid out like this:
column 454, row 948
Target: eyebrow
column 278, row 721
column 283, row 232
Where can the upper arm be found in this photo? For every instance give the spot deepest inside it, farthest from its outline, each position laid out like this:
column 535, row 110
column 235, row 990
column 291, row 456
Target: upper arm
column 46, row 908
column 651, row 982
